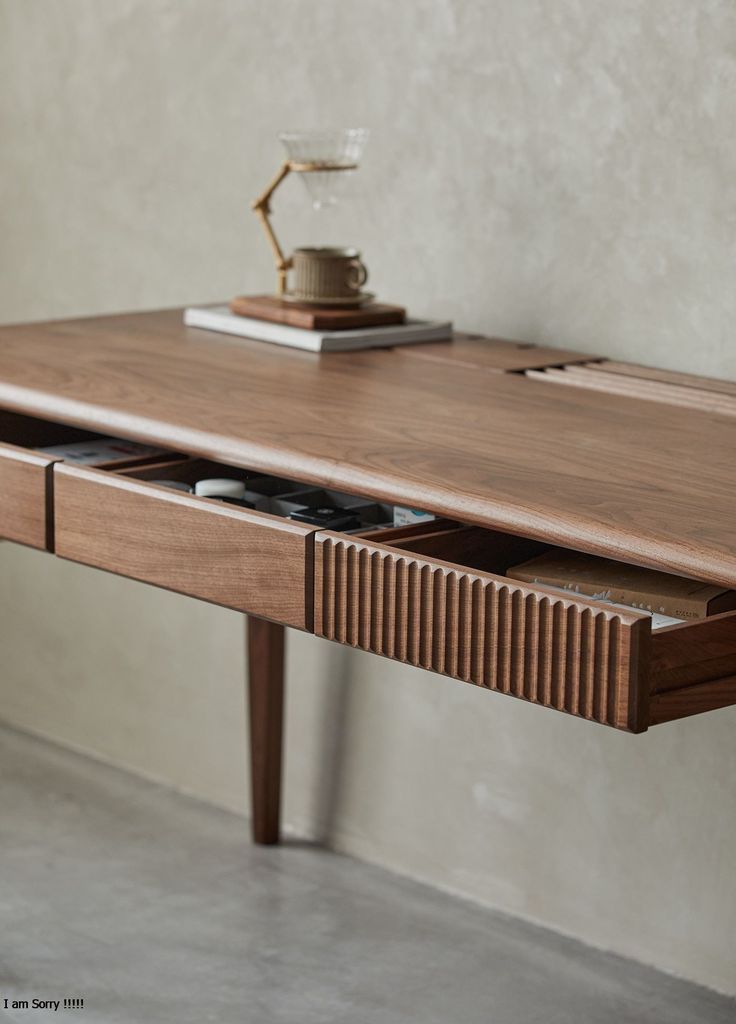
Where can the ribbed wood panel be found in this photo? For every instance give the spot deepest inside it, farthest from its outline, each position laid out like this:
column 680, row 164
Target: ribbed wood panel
column 681, row 390
column 562, row 653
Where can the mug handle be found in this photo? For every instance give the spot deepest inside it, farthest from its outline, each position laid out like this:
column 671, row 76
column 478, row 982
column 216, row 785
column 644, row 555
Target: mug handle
column 357, row 275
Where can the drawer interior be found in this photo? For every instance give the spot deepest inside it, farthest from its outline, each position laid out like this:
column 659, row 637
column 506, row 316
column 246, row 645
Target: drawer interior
column 281, row 497
column 475, row 548
column 29, row 432
column 468, row 546
column 83, row 446
column 276, row 496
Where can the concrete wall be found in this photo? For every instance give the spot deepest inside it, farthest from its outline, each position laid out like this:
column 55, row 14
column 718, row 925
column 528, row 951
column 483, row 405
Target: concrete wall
column 559, row 171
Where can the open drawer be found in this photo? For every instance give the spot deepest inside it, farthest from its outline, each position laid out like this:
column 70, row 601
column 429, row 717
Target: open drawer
column 241, row 558
column 440, row 601
column 26, row 494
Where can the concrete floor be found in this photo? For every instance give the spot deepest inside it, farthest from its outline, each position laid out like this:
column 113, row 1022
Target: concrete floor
column 155, row 908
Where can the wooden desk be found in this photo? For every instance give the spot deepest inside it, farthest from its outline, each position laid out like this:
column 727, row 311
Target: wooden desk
column 623, row 461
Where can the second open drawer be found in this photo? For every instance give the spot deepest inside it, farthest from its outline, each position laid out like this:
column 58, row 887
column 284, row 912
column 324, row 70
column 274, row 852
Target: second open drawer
column 240, row 558
column 440, row 601
column 28, row 451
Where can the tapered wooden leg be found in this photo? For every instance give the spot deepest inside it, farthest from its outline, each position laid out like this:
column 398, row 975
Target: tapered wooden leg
column 266, row 702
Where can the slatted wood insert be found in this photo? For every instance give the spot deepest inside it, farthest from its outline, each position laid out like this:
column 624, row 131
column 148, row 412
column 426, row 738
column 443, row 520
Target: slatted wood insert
column 566, row 654
column 685, row 380
column 681, row 390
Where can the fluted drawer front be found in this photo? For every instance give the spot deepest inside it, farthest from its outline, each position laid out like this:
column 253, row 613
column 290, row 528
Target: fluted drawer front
column 566, row 654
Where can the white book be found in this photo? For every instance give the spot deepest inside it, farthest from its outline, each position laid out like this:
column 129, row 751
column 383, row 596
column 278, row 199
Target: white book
column 99, row 450
column 219, row 318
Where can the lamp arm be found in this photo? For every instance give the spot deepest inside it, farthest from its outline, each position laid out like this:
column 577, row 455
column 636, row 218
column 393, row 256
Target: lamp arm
column 262, row 208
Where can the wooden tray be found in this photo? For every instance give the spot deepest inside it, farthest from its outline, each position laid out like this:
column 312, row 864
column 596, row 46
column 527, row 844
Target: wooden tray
column 316, row 318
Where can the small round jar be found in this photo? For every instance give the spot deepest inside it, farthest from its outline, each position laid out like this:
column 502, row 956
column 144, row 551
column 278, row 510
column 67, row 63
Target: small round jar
column 219, row 488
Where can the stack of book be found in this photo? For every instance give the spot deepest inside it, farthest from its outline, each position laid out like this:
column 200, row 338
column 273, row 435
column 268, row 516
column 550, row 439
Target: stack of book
column 667, row 598
column 317, row 329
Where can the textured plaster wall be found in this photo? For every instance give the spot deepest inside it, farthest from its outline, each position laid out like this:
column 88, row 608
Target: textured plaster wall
column 559, row 170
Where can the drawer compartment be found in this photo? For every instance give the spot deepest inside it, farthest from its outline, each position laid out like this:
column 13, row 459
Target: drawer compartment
column 473, row 624
column 24, row 513
column 240, row 558
column 436, row 596
column 26, row 506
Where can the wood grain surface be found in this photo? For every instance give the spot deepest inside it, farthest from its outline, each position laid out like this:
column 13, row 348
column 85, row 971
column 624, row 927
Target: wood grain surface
column 696, row 652
column 567, row 654
column 693, row 668
column 26, row 512
column 692, row 700
column 265, row 726
column 316, row 318
column 495, row 354
column 233, row 557
column 611, row 474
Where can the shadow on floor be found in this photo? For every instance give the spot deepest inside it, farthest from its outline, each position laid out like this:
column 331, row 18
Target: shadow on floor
column 155, row 908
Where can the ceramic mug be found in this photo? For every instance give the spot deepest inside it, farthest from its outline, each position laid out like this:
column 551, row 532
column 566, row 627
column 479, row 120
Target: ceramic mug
column 327, row 274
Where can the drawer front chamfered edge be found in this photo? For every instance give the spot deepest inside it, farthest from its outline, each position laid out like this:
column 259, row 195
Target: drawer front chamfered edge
column 244, row 560
column 25, row 512
column 561, row 653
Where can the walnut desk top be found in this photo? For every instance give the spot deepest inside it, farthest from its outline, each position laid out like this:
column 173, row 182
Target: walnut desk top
column 457, row 429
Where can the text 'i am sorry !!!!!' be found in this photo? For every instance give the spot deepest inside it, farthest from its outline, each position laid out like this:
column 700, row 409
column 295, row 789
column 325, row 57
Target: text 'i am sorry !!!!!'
column 43, row 1004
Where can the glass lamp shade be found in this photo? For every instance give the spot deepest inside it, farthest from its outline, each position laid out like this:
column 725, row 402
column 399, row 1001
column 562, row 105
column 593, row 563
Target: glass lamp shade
column 341, row 148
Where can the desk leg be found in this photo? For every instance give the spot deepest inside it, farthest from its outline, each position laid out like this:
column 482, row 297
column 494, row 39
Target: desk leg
column 266, row 703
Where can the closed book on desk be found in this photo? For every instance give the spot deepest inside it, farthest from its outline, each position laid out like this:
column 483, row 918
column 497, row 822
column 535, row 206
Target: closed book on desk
column 219, row 318
column 625, row 584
